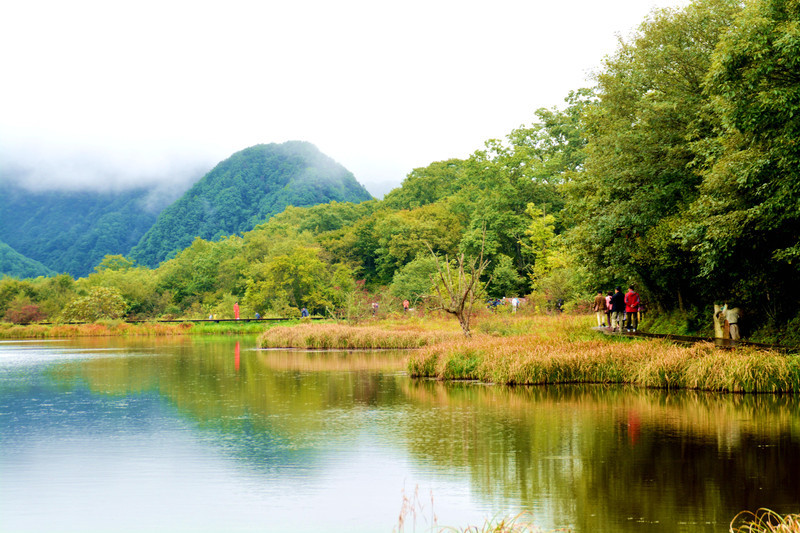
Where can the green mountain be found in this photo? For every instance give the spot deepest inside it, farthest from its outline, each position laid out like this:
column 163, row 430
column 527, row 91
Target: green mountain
column 245, row 190
column 17, row 265
column 71, row 231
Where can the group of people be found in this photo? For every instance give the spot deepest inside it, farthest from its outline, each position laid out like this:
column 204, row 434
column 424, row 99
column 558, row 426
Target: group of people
column 617, row 310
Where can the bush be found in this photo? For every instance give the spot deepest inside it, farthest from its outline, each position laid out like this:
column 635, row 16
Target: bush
column 25, row 314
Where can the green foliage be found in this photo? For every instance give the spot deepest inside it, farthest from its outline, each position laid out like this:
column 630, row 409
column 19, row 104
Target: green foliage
column 747, row 217
column 71, row 231
column 244, row 191
column 414, row 281
column 100, row 303
column 14, row 264
column 628, row 204
column 506, row 280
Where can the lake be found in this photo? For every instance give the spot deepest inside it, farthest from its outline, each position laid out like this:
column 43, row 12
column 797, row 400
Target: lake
column 212, row 435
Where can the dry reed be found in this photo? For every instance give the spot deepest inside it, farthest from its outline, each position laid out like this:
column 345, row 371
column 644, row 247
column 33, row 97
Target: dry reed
column 765, row 521
column 344, row 337
column 534, row 359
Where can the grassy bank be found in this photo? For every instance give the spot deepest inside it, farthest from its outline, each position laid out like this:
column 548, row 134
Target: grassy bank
column 398, row 335
column 112, row 328
column 556, row 353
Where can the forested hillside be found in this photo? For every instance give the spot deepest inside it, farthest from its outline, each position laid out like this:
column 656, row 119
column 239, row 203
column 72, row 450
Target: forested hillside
column 17, row 265
column 71, row 231
column 676, row 172
column 247, row 189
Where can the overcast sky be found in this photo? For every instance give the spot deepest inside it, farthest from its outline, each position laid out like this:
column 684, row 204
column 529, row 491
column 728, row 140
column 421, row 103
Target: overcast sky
column 111, row 92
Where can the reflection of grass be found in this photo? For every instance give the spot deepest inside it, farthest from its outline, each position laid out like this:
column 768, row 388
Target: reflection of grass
column 413, row 510
column 549, row 356
column 765, row 521
column 339, row 336
column 522, row 523
column 304, row 361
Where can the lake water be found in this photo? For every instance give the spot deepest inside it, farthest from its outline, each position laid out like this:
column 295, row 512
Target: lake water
column 212, row 435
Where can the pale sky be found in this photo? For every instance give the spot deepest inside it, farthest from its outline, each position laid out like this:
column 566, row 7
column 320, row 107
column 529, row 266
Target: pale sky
column 105, row 93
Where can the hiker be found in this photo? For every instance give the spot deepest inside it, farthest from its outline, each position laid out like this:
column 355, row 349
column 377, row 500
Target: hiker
column 608, row 308
column 406, row 304
column 304, row 312
column 632, row 309
column 617, row 309
column 514, row 304
column 731, row 314
column 599, row 308
column 236, row 311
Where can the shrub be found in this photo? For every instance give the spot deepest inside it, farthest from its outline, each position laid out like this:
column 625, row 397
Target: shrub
column 25, row 314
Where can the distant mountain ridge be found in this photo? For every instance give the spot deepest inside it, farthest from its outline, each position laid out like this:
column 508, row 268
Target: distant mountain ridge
column 71, row 231
column 245, row 190
column 17, row 265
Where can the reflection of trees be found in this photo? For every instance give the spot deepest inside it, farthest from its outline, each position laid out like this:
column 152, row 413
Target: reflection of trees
column 594, row 457
column 611, row 456
column 298, row 404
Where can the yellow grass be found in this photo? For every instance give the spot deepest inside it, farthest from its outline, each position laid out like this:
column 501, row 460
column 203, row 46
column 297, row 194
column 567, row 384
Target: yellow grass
column 341, row 336
column 555, row 356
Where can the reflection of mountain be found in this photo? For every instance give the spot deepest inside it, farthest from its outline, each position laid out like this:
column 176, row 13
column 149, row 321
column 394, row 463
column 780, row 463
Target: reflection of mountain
column 260, row 417
column 596, row 458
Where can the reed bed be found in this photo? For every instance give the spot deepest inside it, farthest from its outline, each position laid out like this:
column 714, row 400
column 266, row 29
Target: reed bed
column 765, row 521
column 96, row 329
column 344, row 337
column 538, row 360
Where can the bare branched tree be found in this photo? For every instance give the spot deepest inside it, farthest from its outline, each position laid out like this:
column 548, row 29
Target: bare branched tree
column 457, row 285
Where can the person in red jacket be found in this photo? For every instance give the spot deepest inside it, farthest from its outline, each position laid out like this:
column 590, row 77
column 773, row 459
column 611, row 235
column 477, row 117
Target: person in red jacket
column 632, row 309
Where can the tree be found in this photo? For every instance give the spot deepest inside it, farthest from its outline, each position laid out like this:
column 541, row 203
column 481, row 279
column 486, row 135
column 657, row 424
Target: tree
column 291, row 280
column 641, row 175
column 506, row 281
column 413, row 280
column 99, row 303
column 746, row 220
column 457, row 285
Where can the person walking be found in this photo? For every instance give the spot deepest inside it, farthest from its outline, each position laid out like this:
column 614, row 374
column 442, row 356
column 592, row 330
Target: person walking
column 632, row 309
column 599, row 308
column 608, row 308
column 236, row 311
column 617, row 309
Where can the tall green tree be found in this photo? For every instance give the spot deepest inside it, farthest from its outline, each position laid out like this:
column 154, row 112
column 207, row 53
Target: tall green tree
column 641, row 173
column 747, row 218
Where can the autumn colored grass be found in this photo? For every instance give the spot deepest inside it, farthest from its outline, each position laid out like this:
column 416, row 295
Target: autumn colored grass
column 116, row 328
column 341, row 336
column 537, row 359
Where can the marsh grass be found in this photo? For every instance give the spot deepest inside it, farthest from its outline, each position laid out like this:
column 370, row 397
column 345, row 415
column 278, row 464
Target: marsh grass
column 344, row 337
column 538, row 359
column 765, row 521
column 118, row 328
column 522, row 523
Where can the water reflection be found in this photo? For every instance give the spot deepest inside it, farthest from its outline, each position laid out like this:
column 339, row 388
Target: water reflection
column 593, row 458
